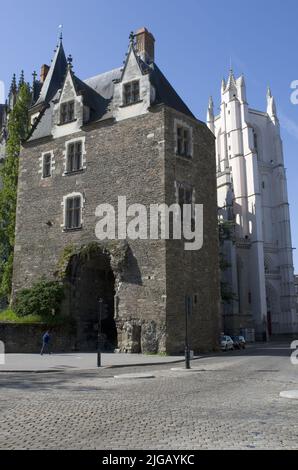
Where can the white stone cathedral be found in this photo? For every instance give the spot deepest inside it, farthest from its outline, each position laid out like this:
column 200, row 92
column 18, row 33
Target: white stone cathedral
column 252, row 195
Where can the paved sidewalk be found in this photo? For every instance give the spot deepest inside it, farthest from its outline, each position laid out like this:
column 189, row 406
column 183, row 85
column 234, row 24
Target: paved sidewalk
column 82, row 361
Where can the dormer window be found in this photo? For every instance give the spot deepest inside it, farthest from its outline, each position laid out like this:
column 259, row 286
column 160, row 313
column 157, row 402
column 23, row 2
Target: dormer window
column 67, row 112
column 131, row 92
column 74, row 157
column 183, row 142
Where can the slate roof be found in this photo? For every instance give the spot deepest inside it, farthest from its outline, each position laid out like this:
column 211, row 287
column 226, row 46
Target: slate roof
column 55, row 77
column 97, row 92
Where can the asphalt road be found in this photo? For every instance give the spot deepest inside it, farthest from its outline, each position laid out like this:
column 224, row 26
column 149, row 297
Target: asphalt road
column 227, row 401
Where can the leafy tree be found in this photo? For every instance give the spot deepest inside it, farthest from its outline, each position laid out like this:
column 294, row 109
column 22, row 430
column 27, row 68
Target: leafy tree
column 18, row 127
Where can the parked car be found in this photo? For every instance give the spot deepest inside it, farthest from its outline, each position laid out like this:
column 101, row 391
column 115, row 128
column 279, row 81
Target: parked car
column 242, row 341
column 236, row 341
column 226, row 343
column 239, row 342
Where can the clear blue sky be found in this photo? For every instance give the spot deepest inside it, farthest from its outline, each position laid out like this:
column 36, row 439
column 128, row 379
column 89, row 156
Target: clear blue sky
column 195, row 40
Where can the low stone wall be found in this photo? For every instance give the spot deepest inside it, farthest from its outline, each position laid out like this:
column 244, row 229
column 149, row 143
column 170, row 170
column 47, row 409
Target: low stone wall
column 27, row 338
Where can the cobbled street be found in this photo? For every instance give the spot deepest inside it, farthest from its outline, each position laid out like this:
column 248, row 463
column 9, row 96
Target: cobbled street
column 227, row 401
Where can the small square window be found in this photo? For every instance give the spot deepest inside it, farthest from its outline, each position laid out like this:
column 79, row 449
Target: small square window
column 131, row 92
column 47, row 165
column 67, row 112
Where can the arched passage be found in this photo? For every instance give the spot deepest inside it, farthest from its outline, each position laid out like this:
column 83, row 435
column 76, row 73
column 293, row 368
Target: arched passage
column 89, row 277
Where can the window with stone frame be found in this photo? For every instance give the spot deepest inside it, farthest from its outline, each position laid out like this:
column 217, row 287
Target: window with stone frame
column 67, row 112
column 74, row 159
column 131, row 92
column 183, row 144
column 73, row 213
column 186, row 196
column 47, row 165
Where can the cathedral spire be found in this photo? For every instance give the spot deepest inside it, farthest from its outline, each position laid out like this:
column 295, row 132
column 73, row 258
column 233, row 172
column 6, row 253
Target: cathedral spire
column 271, row 107
column 12, row 96
column 231, row 80
column 223, row 85
column 21, row 79
column 241, row 88
column 210, row 115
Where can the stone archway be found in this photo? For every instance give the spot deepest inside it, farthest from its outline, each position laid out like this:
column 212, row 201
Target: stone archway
column 91, row 272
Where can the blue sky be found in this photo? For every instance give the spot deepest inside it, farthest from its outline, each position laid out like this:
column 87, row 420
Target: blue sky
column 195, row 42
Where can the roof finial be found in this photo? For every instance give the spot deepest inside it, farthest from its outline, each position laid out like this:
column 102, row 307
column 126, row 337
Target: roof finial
column 21, row 79
column 69, row 61
column 60, row 29
column 132, row 37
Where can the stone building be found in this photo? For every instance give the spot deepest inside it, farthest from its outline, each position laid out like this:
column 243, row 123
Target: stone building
column 296, row 291
column 252, row 196
column 127, row 133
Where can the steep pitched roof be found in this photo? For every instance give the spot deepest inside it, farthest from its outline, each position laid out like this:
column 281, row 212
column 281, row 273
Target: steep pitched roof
column 55, row 77
column 97, row 104
column 165, row 93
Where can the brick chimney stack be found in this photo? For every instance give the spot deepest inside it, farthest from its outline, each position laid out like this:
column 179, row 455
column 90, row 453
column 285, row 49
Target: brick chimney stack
column 145, row 45
column 44, row 72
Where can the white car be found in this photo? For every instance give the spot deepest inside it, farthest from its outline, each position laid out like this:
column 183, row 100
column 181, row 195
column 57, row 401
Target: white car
column 226, row 343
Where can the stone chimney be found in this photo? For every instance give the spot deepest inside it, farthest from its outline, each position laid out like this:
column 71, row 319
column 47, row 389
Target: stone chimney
column 44, row 72
column 145, row 45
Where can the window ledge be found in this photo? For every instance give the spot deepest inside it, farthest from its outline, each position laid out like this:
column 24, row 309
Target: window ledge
column 185, row 157
column 64, row 123
column 75, row 172
column 77, row 229
column 130, row 104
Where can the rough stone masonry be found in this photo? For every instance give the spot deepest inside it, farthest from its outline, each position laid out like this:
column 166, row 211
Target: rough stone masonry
column 128, row 149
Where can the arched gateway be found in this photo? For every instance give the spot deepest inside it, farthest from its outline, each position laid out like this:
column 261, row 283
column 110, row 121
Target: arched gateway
column 91, row 272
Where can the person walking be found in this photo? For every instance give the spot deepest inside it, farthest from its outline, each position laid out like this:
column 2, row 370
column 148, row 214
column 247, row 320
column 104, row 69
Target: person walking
column 46, row 343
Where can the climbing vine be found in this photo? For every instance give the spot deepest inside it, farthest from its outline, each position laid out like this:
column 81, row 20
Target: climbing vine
column 18, row 127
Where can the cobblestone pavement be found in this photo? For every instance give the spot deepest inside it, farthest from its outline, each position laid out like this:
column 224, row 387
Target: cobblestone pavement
column 229, row 401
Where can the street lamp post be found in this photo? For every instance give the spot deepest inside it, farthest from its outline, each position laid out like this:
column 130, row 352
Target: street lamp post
column 187, row 312
column 100, row 310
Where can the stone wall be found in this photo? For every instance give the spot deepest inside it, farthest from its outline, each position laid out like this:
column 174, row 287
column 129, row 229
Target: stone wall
column 133, row 158
column 23, row 338
column 122, row 159
column 193, row 273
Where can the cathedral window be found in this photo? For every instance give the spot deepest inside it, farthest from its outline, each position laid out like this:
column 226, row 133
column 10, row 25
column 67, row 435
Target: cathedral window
column 47, row 165
column 131, row 92
column 73, row 212
column 74, row 157
column 255, row 141
column 67, row 112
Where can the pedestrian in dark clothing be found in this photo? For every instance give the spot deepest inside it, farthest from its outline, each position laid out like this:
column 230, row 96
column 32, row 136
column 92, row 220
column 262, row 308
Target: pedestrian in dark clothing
column 46, row 343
